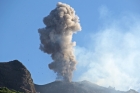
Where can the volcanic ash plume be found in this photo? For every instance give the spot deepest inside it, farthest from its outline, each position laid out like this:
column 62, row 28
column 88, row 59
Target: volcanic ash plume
column 56, row 39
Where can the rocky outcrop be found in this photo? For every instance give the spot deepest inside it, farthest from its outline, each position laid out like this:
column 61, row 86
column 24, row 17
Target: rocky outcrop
column 14, row 75
column 76, row 87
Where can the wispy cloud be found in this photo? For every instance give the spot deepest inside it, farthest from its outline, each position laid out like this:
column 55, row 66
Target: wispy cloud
column 103, row 11
column 113, row 56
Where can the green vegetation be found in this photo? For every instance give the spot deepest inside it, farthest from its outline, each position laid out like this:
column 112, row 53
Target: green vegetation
column 6, row 90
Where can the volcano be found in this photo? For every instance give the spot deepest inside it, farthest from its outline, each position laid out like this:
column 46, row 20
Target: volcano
column 76, row 87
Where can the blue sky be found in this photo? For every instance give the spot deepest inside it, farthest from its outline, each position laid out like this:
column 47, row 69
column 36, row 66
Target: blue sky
column 107, row 47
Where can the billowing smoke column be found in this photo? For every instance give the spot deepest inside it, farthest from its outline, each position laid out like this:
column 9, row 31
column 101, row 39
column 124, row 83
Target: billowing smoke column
column 56, row 39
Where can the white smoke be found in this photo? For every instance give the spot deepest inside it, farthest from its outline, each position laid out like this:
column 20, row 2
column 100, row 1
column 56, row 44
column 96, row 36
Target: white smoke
column 113, row 55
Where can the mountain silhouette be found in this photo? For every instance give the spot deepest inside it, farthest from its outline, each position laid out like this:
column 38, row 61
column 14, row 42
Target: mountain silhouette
column 76, row 87
column 14, row 75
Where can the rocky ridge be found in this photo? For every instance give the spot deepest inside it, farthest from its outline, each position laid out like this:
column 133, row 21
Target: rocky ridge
column 76, row 87
column 14, row 75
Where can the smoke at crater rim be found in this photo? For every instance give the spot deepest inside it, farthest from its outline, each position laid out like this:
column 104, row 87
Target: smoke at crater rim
column 56, row 39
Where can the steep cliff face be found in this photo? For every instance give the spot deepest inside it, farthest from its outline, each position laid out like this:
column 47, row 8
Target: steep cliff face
column 14, row 75
column 76, row 87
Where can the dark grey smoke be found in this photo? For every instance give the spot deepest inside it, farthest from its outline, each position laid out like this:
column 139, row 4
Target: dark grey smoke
column 56, row 39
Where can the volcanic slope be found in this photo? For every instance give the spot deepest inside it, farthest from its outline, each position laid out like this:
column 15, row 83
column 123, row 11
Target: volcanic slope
column 76, row 87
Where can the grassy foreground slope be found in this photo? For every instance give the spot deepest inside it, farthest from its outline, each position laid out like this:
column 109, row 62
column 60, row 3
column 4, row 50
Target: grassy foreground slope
column 6, row 90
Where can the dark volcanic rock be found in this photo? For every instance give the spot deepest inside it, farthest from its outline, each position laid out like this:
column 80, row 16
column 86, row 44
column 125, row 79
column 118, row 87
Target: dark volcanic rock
column 14, row 75
column 76, row 87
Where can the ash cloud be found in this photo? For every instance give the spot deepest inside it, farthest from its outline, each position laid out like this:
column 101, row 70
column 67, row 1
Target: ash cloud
column 56, row 39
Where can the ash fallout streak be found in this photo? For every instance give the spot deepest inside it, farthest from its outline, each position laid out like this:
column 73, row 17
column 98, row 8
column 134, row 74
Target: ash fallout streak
column 56, row 39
